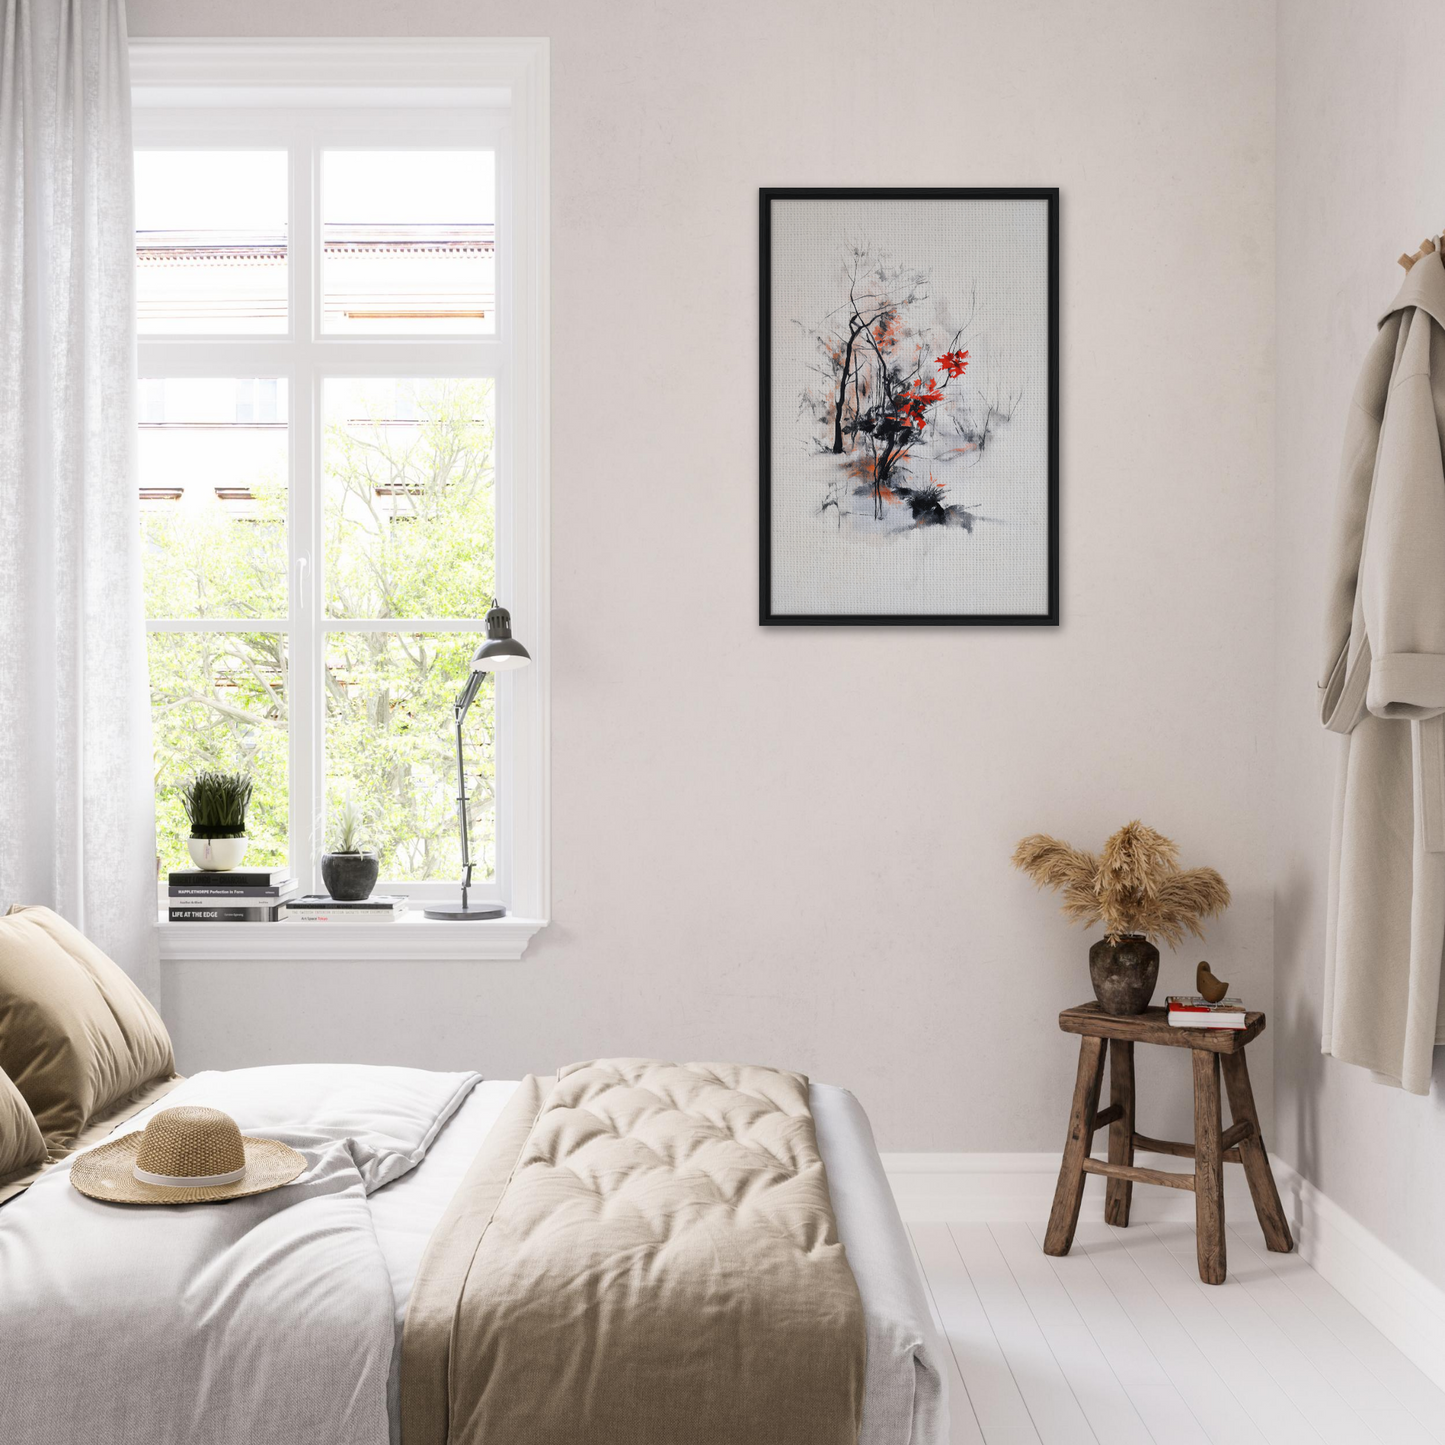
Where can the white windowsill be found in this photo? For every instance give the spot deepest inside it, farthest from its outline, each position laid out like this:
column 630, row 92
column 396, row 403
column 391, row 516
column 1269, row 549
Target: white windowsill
column 411, row 937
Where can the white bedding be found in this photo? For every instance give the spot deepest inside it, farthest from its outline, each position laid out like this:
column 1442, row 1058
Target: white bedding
column 904, row 1402
column 277, row 1318
column 263, row 1321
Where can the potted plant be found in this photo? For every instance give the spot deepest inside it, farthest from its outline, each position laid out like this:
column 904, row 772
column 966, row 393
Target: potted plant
column 216, row 805
column 1137, row 890
column 349, row 870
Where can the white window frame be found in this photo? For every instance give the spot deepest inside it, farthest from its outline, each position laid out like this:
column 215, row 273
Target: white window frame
column 302, row 95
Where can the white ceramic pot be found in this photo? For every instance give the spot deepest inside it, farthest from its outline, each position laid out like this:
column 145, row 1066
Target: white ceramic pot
column 217, row 854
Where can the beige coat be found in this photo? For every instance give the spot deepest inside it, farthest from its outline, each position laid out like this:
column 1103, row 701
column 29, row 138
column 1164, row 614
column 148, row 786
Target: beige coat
column 1384, row 688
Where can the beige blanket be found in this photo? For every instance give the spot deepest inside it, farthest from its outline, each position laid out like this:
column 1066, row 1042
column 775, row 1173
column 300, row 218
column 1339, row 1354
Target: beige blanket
column 643, row 1254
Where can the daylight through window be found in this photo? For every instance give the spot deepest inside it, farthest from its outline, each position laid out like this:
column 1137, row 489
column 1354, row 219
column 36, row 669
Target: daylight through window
column 322, row 341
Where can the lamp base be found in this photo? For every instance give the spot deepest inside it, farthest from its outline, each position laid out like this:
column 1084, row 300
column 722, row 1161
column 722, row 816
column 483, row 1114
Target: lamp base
column 459, row 912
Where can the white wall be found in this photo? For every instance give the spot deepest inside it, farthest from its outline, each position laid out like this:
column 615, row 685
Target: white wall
column 731, row 880
column 1361, row 178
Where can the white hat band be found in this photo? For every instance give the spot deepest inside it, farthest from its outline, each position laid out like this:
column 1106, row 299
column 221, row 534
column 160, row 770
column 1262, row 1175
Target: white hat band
column 189, row 1181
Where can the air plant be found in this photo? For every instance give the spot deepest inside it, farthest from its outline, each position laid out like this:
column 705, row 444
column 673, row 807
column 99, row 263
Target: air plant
column 1135, row 886
column 347, row 834
column 216, row 804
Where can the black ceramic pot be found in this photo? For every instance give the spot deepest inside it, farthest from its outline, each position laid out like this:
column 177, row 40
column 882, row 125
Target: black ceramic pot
column 350, row 877
column 1124, row 973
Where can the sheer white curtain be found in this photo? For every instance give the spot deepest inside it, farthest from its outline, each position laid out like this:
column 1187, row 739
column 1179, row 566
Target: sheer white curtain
column 76, row 799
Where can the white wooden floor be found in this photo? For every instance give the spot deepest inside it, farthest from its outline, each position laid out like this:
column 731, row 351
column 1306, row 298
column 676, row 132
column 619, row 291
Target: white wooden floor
column 1120, row 1344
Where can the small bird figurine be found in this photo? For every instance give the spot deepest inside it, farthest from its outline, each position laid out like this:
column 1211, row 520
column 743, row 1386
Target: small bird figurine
column 1209, row 986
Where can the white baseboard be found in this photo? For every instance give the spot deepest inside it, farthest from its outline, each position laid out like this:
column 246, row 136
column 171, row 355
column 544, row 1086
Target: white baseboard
column 1405, row 1306
column 1005, row 1188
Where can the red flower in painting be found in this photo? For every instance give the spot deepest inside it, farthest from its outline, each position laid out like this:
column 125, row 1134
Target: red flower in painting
column 955, row 363
column 912, row 412
column 914, row 400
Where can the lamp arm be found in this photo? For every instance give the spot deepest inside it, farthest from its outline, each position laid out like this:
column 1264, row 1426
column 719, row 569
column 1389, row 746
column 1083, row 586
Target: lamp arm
column 459, row 713
column 460, row 707
column 467, row 695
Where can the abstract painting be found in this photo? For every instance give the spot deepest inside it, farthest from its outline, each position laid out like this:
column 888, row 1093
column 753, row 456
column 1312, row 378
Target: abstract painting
column 909, row 421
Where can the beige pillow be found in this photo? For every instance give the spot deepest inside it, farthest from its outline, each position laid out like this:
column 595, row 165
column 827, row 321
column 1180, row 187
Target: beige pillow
column 76, row 1035
column 21, row 1145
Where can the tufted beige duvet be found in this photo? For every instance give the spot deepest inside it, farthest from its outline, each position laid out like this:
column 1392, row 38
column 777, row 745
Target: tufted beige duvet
column 643, row 1254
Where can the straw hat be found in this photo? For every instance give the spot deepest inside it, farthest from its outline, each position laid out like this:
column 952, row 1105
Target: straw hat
column 186, row 1155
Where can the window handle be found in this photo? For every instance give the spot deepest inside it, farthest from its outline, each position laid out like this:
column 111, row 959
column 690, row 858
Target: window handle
column 301, row 565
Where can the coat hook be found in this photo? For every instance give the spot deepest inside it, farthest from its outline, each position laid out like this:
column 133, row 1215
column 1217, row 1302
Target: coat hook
column 1427, row 248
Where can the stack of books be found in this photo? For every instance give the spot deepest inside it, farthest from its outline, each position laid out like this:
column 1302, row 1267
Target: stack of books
column 240, row 895
column 1193, row 1011
column 318, row 908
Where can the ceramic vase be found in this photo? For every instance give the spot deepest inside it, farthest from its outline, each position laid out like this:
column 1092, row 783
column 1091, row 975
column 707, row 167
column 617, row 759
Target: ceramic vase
column 349, row 877
column 1124, row 973
column 216, row 855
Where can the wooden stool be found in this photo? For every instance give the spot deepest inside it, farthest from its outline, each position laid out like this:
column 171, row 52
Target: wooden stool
column 1241, row 1143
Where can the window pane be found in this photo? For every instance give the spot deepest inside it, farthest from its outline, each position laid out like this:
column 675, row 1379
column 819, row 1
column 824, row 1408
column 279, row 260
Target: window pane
column 409, row 242
column 213, row 496
column 218, row 701
column 390, row 749
column 210, row 242
column 409, row 509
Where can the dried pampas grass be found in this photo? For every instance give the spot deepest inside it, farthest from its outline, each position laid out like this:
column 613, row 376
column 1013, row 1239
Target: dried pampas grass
column 1134, row 886
column 1070, row 871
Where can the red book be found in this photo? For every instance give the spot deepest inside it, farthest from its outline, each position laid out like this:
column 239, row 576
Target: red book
column 1190, row 1011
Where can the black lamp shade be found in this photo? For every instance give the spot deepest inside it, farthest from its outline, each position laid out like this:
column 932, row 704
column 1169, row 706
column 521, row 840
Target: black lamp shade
column 501, row 651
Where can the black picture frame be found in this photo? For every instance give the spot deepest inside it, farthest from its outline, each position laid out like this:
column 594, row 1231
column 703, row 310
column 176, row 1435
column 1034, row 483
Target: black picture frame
column 766, row 196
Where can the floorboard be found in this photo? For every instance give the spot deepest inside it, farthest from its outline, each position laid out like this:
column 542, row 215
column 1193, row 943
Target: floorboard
column 1166, row 1415
column 992, row 1393
column 964, row 1428
column 1118, row 1343
column 1345, row 1370
column 1054, row 1410
column 1407, row 1384
column 1256, row 1390
column 1209, row 1396
column 1106, row 1405
column 1278, row 1357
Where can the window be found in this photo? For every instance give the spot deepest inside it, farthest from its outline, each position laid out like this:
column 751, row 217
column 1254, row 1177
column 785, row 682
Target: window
column 408, row 243
column 341, row 440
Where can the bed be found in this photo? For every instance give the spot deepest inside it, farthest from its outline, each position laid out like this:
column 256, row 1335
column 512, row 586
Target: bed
column 379, row 1187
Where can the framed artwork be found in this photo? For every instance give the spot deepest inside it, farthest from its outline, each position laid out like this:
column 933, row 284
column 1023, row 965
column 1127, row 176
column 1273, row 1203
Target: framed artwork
column 910, row 406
